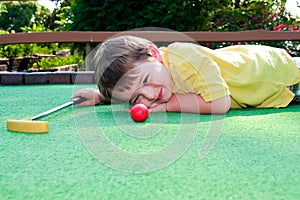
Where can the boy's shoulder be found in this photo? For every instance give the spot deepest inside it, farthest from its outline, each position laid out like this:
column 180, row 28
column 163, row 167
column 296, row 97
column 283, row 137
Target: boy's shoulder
column 178, row 47
column 183, row 44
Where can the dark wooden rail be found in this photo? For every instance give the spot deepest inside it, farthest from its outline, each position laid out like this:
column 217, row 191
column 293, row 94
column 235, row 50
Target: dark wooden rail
column 157, row 36
column 97, row 37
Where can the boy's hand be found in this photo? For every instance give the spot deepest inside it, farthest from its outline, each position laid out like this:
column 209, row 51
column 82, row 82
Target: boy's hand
column 92, row 96
column 159, row 108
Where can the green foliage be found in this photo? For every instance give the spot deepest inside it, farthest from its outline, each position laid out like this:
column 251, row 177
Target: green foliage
column 41, row 16
column 191, row 15
column 35, row 28
column 263, row 14
column 60, row 18
column 17, row 15
column 48, row 63
column 17, row 50
column 121, row 15
column 14, row 15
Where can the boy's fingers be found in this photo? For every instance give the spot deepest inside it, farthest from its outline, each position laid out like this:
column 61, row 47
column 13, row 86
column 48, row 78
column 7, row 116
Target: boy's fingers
column 86, row 103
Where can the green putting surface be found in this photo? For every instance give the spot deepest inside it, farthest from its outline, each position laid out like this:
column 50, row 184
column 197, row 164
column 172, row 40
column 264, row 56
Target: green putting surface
column 100, row 153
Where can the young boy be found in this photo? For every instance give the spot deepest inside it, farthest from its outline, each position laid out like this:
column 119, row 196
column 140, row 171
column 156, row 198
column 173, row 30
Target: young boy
column 186, row 77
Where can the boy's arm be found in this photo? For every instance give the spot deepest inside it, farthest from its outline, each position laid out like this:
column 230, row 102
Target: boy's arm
column 92, row 96
column 193, row 103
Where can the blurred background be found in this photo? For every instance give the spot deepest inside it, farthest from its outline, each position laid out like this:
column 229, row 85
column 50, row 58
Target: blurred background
column 123, row 15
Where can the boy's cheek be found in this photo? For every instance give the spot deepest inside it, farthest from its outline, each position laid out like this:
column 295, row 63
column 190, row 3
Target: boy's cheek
column 168, row 95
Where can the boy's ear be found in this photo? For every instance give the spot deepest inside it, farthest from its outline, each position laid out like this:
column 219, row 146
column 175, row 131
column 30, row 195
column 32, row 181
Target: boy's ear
column 155, row 53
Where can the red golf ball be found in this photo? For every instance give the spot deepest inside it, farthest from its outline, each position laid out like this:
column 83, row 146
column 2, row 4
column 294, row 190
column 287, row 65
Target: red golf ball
column 139, row 112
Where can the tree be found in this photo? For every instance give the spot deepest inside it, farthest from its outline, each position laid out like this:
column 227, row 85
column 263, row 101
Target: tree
column 120, row 15
column 15, row 15
column 263, row 14
column 19, row 15
column 60, row 18
column 250, row 15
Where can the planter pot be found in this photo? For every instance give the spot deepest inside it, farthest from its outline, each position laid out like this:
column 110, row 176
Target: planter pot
column 21, row 63
column 4, row 62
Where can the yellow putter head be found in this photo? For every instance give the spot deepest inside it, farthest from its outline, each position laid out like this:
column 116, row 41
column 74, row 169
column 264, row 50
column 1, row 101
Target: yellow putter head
column 27, row 126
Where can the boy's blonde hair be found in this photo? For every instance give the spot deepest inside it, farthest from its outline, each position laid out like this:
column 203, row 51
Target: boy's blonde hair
column 117, row 56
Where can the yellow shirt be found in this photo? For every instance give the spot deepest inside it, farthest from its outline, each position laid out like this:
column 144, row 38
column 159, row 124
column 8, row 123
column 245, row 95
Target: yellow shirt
column 253, row 75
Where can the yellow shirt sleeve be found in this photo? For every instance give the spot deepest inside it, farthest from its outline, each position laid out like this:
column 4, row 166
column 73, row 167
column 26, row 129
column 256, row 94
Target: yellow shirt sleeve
column 192, row 71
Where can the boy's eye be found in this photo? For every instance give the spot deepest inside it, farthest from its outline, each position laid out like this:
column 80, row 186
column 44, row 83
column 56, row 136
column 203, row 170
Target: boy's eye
column 136, row 98
column 146, row 79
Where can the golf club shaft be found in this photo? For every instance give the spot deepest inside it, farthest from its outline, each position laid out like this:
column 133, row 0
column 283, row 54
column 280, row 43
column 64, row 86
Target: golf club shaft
column 76, row 100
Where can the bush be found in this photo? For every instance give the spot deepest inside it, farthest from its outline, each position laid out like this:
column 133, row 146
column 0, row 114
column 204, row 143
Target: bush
column 18, row 50
column 48, row 63
column 263, row 14
column 171, row 14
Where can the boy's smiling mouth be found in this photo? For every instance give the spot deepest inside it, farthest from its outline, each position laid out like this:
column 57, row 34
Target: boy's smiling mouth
column 160, row 95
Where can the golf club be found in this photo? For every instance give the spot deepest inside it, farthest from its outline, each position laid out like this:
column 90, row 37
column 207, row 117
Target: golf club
column 29, row 125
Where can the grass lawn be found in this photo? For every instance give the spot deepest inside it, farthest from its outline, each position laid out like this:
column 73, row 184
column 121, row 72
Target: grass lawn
column 100, row 153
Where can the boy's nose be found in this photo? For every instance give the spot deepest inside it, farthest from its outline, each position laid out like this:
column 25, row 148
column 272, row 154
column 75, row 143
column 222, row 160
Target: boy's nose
column 148, row 92
column 147, row 96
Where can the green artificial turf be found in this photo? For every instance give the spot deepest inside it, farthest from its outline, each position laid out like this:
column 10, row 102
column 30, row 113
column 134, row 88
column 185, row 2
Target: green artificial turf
column 100, row 153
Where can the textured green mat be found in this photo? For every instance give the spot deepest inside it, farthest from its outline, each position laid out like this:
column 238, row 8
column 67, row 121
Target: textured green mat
column 255, row 154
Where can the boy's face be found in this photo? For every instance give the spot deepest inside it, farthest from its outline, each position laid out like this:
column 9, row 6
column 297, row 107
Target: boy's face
column 151, row 85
